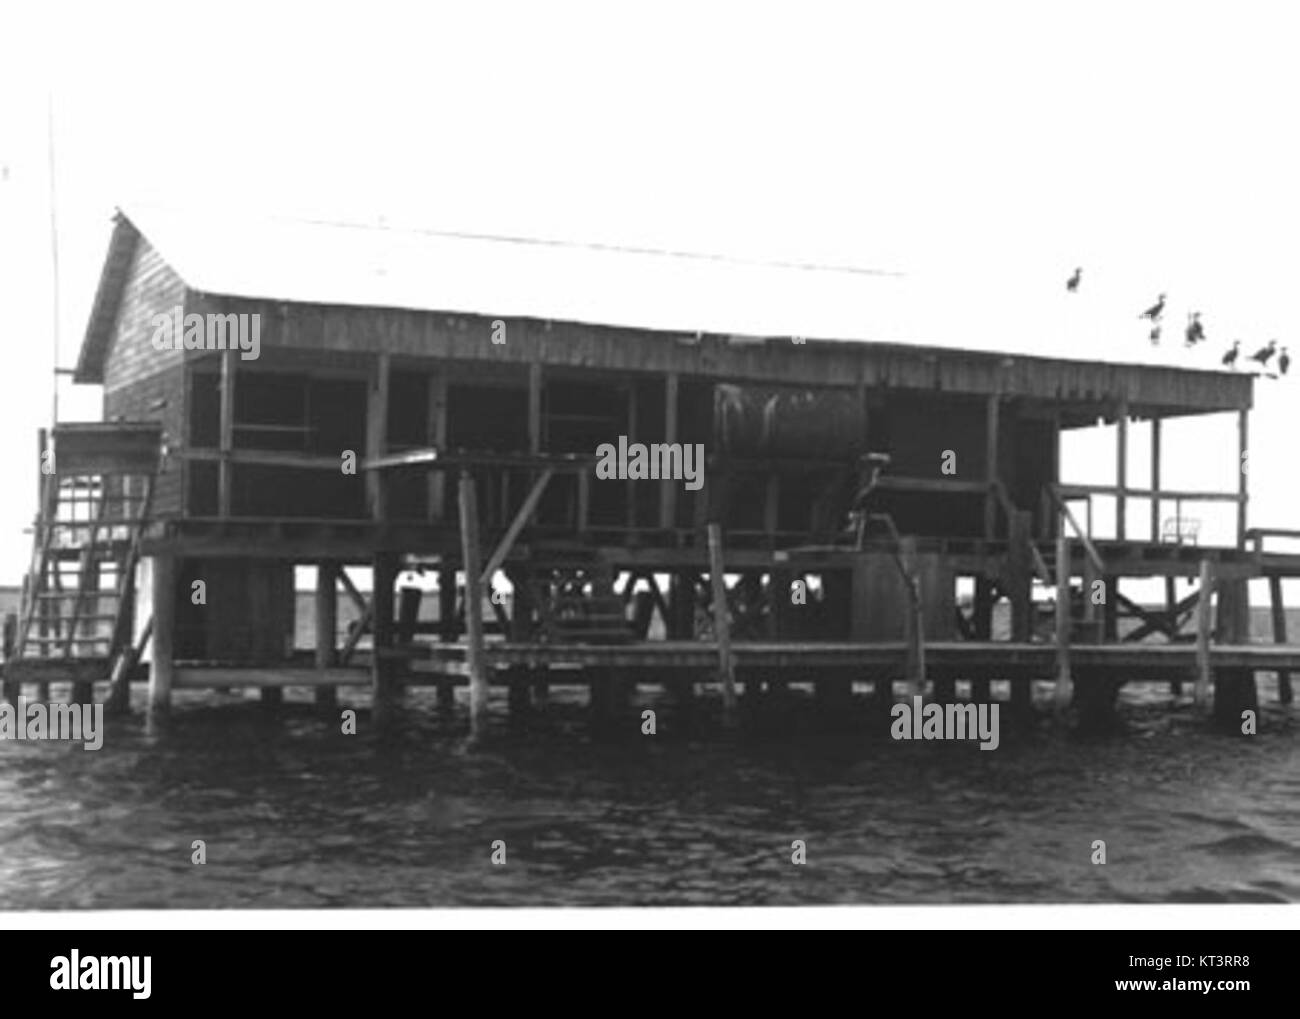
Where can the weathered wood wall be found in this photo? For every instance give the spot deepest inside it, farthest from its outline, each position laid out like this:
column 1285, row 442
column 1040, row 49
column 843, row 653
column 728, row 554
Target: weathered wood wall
column 140, row 382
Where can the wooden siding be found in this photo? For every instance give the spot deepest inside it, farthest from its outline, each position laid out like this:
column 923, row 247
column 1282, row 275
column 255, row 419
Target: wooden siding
column 151, row 288
column 141, row 383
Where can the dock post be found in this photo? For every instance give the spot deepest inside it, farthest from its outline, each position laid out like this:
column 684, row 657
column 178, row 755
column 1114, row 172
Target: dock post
column 327, row 618
column 1234, row 689
column 1205, row 590
column 914, row 629
column 1171, row 613
column 471, row 558
column 10, row 692
column 161, row 668
column 381, row 628
column 722, row 621
column 1064, row 684
column 681, row 626
column 1279, row 635
column 519, row 677
column 1020, row 569
column 984, row 601
column 446, row 632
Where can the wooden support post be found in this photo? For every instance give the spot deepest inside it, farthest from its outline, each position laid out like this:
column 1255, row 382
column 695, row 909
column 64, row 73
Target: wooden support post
column 584, row 500
column 478, row 678
column 680, row 625
column 327, row 624
column 1243, row 438
column 1279, row 635
column 1020, row 581
column 119, row 689
column 721, row 620
column 772, row 506
column 377, row 436
column 162, row 668
column 1092, row 612
column 1234, row 689
column 10, row 692
column 980, row 692
column 1121, row 472
column 1171, row 612
column 1020, row 569
column 1064, row 683
column 535, row 407
column 991, row 415
column 914, row 627
column 1155, row 480
column 381, row 628
column 408, row 613
column 668, row 489
column 437, row 437
column 1110, row 611
column 226, row 435
column 446, row 631
column 1203, row 604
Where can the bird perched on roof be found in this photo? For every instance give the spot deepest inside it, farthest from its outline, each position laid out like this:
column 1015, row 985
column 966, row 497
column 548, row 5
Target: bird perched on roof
column 1072, row 284
column 1155, row 311
column 1195, row 331
column 1230, row 358
column 1264, row 353
column 1155, row 334
column 1283, row 362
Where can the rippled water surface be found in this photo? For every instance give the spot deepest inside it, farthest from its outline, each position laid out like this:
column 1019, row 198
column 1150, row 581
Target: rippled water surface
column 296, row 814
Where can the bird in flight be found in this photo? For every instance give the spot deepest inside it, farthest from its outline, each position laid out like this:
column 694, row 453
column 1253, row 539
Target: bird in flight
column 1230, row 358
column 1264, row 353
column 1283, row 362
column 1155, row 311
column 1072, row 284
column 1195, row 331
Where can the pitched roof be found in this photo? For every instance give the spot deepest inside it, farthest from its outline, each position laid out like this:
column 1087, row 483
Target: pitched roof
column 312, row 262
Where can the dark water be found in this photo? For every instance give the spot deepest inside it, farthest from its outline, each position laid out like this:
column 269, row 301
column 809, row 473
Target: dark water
column 295, row 814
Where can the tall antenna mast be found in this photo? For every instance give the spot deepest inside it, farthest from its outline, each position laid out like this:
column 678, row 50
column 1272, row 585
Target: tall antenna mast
column 54, row 260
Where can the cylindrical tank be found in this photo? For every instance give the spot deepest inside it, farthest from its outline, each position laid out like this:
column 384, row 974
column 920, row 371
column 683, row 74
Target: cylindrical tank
column 787, row 422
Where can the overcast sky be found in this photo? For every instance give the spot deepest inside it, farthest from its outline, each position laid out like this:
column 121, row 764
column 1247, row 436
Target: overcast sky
column 983, row 150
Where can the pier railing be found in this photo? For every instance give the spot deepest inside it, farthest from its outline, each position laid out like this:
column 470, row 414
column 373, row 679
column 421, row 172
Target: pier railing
column 1183, row 528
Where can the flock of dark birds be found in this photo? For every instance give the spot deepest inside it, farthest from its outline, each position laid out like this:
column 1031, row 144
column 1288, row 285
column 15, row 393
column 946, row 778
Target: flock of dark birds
column 1195, row 333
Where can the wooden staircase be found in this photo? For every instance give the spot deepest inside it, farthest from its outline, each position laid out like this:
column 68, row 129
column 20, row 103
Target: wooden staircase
column 96, row 497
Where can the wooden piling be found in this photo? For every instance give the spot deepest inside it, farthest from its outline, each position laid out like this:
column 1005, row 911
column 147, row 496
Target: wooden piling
column 1279, row 635
column 984, row 602
column 119, row 690
column 1020, row 570
column 1064, row 683
column 471, row 559
column 384, row 567
column 1234, row 689
column 446, row 631
column 327, row 620
column 1121, row 471
column 162, row 667
column 915, row 627
column 1206, row 588
column 10, row 691
column 721, row 620
column 681, row 626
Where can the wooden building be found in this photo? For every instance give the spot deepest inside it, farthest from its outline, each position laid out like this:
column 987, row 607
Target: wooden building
column 361, row 424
